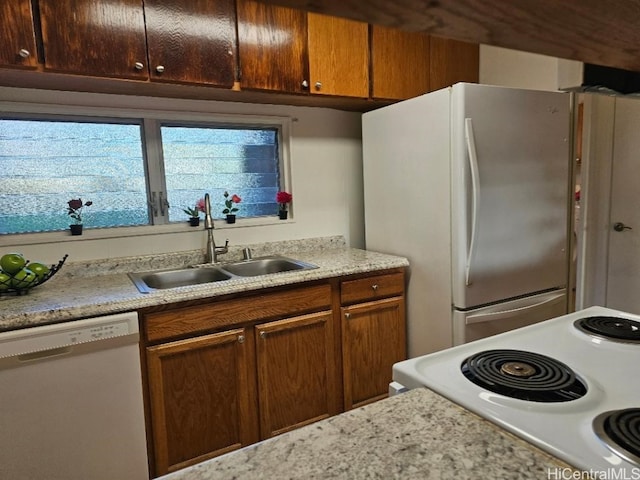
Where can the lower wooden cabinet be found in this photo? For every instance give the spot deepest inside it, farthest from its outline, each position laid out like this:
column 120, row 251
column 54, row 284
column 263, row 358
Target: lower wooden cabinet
column 202, row 398
column 230, row 372
column 373, row 336
column 296, row 372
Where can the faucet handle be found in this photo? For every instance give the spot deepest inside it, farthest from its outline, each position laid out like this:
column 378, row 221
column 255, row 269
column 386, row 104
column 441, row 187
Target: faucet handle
column 246, row 253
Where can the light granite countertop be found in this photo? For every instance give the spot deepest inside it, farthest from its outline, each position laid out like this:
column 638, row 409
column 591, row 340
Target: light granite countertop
column 88, row 289
column 416, row 435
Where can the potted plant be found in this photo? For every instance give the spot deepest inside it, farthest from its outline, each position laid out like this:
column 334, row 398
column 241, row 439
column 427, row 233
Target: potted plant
column 283, row 199
column 74, row 209
column 229, row 208
column 194, row 213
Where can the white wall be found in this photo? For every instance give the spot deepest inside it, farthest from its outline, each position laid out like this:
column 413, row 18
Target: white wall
column 513, row 68
column 326, row 174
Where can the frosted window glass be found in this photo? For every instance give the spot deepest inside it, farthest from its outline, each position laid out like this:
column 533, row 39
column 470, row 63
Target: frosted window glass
column 242, row 161
column 44, row 164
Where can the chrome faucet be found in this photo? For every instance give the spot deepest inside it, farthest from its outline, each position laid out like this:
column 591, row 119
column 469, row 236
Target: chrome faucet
column 211, row 255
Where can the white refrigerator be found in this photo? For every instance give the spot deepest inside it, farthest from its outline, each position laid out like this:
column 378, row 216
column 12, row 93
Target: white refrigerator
column 472, row 183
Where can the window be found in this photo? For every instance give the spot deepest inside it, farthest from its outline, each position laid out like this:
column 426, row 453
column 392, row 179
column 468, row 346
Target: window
column 136, row 171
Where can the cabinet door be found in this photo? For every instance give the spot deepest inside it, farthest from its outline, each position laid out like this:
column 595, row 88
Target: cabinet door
column 95, row 37
column 272, row 47
column 202, row 398
column 191, row 41
column 399, row 63
column 453, row 61
column 338, row 56
column 17, row 37
column 373, row 339
column 297, row 381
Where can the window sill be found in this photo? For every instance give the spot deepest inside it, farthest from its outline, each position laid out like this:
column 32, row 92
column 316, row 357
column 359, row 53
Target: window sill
column 17, row 240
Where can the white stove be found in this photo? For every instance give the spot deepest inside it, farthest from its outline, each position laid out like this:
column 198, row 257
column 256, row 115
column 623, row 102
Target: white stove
column 555, row 384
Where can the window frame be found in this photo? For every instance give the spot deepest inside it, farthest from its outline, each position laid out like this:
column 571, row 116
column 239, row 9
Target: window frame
column 150, row 121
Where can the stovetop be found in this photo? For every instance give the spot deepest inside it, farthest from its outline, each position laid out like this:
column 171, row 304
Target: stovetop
column 608, row 369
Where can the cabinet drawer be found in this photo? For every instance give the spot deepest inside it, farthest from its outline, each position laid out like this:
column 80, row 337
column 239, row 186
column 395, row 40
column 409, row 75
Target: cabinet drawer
column 226, row 313
column 370, row 288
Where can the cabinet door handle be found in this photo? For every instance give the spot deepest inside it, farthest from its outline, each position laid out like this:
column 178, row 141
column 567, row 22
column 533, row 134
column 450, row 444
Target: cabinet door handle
column 305, row 84
column 160, row 69
column 374, row 287
column 318, row 85
column 24, row 53
column 263, row 334
column 240, row 338
column 138, row 65
column 347, row 315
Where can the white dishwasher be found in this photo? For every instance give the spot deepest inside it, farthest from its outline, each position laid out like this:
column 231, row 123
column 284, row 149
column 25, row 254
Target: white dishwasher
column 71, row 401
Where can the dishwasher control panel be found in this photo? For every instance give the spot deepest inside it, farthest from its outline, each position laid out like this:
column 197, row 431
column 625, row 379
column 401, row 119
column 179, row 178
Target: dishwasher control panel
column 60, row 335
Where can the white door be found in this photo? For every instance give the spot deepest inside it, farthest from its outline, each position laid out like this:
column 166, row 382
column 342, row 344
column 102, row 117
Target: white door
column 623, row 283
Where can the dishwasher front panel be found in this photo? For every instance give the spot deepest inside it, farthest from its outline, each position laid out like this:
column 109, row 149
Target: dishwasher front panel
column 73, row 409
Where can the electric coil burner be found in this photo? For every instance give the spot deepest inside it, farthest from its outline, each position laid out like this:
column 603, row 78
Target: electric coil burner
column 568, row 385
column 620, row 431
column 523, row 375
column 612, row 328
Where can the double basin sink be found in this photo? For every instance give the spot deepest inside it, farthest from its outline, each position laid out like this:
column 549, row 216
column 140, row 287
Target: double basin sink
column 159, row 280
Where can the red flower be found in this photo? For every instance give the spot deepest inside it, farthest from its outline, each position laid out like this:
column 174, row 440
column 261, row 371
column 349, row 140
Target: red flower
column 75, row 208
column 200, row 205
column 235, row 198
column 283, row 197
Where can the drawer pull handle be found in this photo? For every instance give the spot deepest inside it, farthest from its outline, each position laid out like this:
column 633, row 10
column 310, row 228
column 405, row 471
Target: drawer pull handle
column 347, row 315
column 263, row 334
column 374, row 287
column 240, row 338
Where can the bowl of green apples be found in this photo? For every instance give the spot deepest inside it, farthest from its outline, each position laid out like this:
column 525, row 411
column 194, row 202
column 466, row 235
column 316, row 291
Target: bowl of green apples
column 19, row 275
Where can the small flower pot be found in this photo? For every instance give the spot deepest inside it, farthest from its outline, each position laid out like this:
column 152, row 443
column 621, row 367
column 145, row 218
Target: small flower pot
column 283, row 214
column 76, row 229
column 194, row 221
column 231, row 219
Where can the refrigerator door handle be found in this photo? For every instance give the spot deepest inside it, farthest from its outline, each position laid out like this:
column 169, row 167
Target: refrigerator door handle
column 475, row 184
column 489, row 317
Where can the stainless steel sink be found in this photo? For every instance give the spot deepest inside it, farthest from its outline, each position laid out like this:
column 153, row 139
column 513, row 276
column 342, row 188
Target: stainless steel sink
column 149, row 281
column 266, row 265
column 159, row 280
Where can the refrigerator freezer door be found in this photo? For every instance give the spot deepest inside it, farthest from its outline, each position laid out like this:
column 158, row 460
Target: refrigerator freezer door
column 510, row 190
column 485, row 322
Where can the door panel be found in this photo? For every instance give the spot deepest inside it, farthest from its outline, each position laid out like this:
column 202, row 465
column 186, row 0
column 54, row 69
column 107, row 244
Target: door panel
column 623, row 282
column 517, row 243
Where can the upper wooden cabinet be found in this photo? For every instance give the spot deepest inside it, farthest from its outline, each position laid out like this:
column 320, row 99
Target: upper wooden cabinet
column 338, row 56
column 407, row 64
column 399, row 63
column 287, row 50
column 17, row 37
column 272, row 47
column 452, row 61
column 192, row 42
column 102, row 38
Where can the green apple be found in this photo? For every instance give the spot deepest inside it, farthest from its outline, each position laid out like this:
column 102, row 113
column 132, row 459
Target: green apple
column 23, row 279
column 12, row 263
column 5, row 281
column 40, row 269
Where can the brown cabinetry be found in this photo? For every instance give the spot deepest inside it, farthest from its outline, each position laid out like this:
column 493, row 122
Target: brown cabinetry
column 399, row 63
column 338, row 56
column 452, row 61
column 89, row 37
column 287, row 50
column 407, row 64
column 192, row 42
column 17, row 36
column 296, row 372
column 373, row 335
column 272, row 47
column 201, row 398
column 249, row 368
